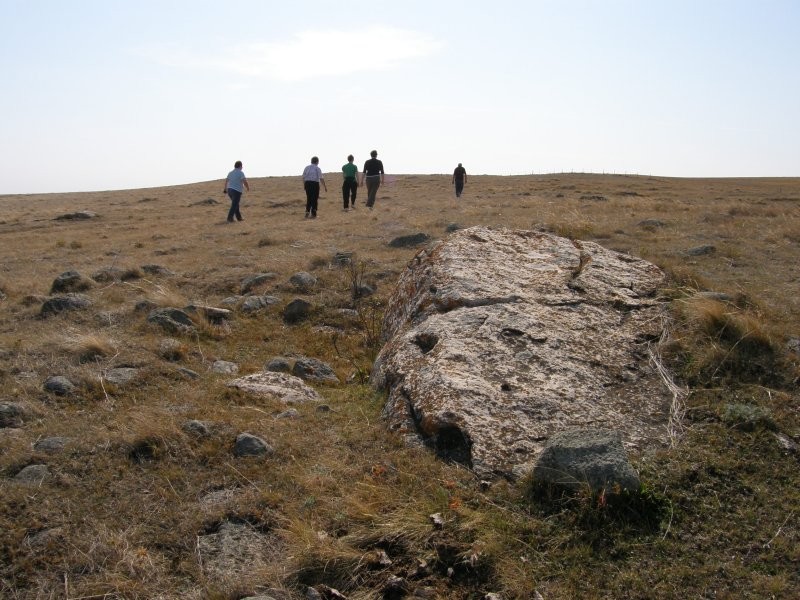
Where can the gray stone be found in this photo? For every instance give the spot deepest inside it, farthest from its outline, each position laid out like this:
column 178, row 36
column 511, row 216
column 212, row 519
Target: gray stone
column 579, row 458
column 255, row 281
column 188, row 373
column 303, row 281
column 410, row 241
column 296, row 311
column 224, row 367
column 248, row 444
column 312, row 369
column 157, row 270
column 451, row 227
column 255, row 303
column 291, row 413
column 145, row 306
column 278, row 365
column 171, row 349
column 70, row 281
column 342, row 258
column 64, row 303
column 231, row 300
column 211, row 314
column 496, row 338
column 652, row 223
column 703, row 250
column 33, row 474
column 793, row 345
column 59, row 385
column 197, row 428
column 121, row 375
column 173, row 320
column 11, row 414
column 109, row 274
column 51, row 445
column 363, row 290
column 81, row 215
column 277, row 386
column 237, row 550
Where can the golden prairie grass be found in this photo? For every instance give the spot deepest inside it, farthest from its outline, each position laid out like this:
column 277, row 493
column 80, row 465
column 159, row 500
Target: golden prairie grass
column 134, row 491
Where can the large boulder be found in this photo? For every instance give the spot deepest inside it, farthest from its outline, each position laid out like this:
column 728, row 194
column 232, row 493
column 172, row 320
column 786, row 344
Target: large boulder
column 496, row 339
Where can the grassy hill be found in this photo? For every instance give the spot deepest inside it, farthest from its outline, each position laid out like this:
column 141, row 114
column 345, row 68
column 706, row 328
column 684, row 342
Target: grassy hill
column 131, row 504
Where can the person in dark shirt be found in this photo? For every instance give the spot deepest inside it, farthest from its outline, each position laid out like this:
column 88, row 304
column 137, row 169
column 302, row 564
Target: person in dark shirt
column 373, row 176
column 459, row 179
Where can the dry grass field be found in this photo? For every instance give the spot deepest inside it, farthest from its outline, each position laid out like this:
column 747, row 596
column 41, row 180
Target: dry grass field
column 130, row 504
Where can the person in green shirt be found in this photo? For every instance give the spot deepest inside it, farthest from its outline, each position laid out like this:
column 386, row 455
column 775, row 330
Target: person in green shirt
column 350, row 183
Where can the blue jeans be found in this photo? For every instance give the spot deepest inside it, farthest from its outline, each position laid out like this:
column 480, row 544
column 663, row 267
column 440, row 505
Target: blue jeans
column 235, row 197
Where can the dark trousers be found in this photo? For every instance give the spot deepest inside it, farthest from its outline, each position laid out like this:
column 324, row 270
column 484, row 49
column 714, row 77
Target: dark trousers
column 373, row 183
column 235, row 197
column 349, row 190
column 312, row 196
column 459, row 187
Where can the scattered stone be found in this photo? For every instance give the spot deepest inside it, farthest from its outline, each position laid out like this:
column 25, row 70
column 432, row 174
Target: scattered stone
column 323, row 408
column 793, row 345
column 296, row 311
column 171, row 349
column 231, row 300
column 157, row 270
column 595, row 457
column 59, row 385
column 11, row 414
column 70, row 281
column 312, row 594
column 303, row 281
column 315, row 370
column 786, row 443
column 395, row 586
column 206, row 202
column 327, row 593
column 291, row 413
column 409, row 241
column 350, row 313
column 197, row 428
column 342, row 259
column 248, row 444
column 76, row 216
column 145, row 306
column 255, row 303
column 363, row 290
column 33, row 474
column 237, row 550
column 187, row 373
column 108, row 275
column 451, row 227
column 747, row 417
column 278, row 386
column 493, row 596
column 214, row 315
column 173, row 320
column 703, row 250
column 224, row 367
column 652, row 224
column 254, row 281
column 121, row 375
column 437, row 520
column 279, row 364
column 51, row 445
column 44, row 538
column 67, row 302
column 594, row 197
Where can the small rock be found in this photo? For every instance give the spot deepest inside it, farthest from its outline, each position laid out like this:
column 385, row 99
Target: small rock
column 59, row 385
column 212, row 314
column 255, row 303
column 70, row 281
column 255, row 281
column 172, row 319
column 409, row 241
column 11, row 414
column 157, row 270
column 312, row 369
column 171, row 349
column 121, row 375
column 296, row 311
column 437, row 520
column 793, row 345
column 76, row 216
column 224, row 367
column 51, row 444
column 67, row 302
column 652, row 223
column 704, row 250
column 145, row 306
column 250, row 445
column 290, row 413
column 451, row 227
column 187, row 373
column 33, row 474
column 303, row 281
column 108, row 275
column 196, row 428
column 342, row 258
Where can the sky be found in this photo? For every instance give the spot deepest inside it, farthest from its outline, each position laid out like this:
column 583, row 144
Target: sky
column 125, row 95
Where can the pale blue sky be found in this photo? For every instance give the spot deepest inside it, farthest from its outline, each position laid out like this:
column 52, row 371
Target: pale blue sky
column 122, row 94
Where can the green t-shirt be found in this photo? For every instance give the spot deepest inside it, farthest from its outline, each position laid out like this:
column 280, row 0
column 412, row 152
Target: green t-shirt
column 349, row 170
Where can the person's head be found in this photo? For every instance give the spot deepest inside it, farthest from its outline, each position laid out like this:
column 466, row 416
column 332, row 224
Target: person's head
column 374, row 153
column 314, row 160
column 350, row 158
column 237, row 164
column 459, row 164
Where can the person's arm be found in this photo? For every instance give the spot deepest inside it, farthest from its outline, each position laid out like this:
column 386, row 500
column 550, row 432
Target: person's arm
column 246, row 185
column 382, row 173
column 322, row 181
column 225, row 189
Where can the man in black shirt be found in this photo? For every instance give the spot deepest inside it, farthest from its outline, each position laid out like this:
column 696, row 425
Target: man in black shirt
column 373, row 176
column 459, row 179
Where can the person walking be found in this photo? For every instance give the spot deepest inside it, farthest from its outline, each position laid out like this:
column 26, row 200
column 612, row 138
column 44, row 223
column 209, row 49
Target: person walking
column 312, row 177
column 459, row 179
column 373, row 176
column 235, row 184
column 350, row 183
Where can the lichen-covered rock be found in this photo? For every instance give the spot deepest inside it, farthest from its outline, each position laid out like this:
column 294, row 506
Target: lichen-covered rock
column 497, row 339
column 65, row 303
column 278, row 386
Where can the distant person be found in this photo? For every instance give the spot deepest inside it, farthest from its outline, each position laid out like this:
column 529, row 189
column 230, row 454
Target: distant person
column 312, row 177
column 235, row 184
column 373, row 176
column 350, row 183
column 459, row 179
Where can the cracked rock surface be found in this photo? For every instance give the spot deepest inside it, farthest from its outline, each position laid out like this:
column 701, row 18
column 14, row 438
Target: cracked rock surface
column 497, row 339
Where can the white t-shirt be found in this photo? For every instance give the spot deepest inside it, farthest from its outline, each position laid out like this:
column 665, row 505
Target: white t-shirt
column 235, row 179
